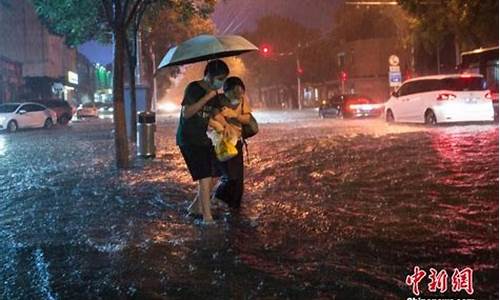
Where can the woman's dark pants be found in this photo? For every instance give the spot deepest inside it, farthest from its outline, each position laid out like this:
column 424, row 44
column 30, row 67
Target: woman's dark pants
column 230, row 189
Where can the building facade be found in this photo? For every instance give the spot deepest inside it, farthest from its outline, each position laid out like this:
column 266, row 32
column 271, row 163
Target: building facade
column 362, row 67
column 10, row 79
column 49, row 68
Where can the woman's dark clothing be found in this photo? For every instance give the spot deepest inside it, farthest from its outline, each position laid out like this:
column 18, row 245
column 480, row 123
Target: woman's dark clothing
column 193, row 131
column 192, row 139
column 201, row 161
column 230, row 189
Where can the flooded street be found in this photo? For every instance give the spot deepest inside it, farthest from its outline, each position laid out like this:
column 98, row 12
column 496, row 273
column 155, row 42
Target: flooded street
column 333, row 209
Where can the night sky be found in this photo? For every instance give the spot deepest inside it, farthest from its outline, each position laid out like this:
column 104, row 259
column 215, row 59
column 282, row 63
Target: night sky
column 236, row 16
column 311, row 13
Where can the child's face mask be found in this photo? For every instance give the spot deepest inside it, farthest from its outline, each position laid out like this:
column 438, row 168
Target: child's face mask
column 236, row 95
column 235, row 101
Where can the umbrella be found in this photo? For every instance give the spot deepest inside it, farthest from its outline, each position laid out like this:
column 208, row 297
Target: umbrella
column 206, row 47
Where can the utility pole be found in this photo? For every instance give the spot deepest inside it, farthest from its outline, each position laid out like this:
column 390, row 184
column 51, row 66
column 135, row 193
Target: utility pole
column 138, row 69
column 438, row 58
column 152, row 106
column 299, row 83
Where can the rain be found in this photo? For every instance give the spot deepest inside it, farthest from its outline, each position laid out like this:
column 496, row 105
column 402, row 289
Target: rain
column 353, row 183
column 324, row 201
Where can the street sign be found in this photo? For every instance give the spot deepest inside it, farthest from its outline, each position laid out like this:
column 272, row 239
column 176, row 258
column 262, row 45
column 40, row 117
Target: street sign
column 57, row 88
column 394, row 69
column 393, row 60
column 72, row 77
column 395, row 79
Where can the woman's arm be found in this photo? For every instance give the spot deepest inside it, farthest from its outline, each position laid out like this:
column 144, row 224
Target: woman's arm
column 190, row 110
column 221, row 119
column 227, row 128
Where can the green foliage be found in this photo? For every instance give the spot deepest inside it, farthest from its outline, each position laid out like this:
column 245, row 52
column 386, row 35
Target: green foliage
column 78, row 21
column 474, row 23
column 283, row 36
column 165, row 26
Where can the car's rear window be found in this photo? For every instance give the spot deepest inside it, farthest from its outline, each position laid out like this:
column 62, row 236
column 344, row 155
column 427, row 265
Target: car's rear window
column 463, row 84
column 57, row 103
column 51, row 103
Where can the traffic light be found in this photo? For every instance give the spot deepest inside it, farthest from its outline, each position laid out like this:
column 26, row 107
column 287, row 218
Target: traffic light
column 300, row 71
column 343, row 76
column 265, row 50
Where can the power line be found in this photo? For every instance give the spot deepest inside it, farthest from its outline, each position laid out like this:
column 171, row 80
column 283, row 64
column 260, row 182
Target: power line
column 371, row 3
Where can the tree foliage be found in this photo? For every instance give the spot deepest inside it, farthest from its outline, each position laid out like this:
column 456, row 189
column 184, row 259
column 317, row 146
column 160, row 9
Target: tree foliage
column 78, row 21
column 82, row 20
column 165, row 28
column 283, row 36
column 474, row 23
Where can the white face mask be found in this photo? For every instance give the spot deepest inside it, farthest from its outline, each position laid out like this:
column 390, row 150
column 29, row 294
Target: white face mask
column 217, row 84
column 235, row 101
column 214, row 84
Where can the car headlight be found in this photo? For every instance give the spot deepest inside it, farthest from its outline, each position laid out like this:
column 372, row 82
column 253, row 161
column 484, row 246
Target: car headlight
column 2, row 119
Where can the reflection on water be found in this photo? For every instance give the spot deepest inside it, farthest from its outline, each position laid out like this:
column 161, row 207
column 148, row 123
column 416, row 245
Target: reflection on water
column 331, row 210
column 3, row 145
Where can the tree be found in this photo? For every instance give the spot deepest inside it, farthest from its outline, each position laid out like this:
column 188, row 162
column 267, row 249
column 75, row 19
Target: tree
column 284, row 37
column 472, row 23
column 165, row 28
column 82, row 20
column 353, row 23
column 131, row 48
column 356, row 23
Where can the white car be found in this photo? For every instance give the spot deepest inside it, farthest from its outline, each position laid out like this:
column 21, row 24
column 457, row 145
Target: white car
column 441, row 99
column 14, row 116
column 87, row 110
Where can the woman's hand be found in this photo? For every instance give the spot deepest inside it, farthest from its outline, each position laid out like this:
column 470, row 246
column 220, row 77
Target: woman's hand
column 231, row 131
column 190, row 110
column 227, row 132
column 209, row 95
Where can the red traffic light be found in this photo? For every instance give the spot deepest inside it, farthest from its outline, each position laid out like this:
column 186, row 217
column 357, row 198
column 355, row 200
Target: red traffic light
column 300, row 71
column 265, row 50
column 343, row 76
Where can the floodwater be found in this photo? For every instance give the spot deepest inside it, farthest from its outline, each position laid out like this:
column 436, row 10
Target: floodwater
column 333, row 209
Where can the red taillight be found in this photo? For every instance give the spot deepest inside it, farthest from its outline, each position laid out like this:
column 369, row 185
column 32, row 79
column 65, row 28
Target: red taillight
column 488, row 96
column 446, row 96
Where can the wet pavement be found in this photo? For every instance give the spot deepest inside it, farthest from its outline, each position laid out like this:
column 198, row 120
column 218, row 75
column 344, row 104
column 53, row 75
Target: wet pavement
column 334, row 209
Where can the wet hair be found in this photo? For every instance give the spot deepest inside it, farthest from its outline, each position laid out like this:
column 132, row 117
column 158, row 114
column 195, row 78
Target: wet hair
column 216, row 68
column 233, row 82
